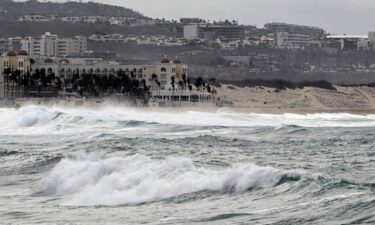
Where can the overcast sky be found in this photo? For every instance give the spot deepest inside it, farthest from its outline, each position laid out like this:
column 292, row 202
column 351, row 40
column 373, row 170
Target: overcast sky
column 336, row 16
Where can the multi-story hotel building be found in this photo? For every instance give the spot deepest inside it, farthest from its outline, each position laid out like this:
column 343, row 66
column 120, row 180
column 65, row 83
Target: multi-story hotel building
column 158, row 77
column 214, row 31
column 51, row 45
column 12, row 64
column 312, row 32
column 161, row 72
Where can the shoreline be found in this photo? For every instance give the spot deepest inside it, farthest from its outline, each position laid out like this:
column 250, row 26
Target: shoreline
column 233, row 99
column 211, row 109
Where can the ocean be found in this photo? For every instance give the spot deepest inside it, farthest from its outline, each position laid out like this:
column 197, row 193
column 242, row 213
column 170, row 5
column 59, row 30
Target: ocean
column 132, row 166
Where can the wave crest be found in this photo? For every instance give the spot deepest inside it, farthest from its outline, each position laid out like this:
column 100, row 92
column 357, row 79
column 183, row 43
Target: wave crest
column 94, row 179
column 124, row 117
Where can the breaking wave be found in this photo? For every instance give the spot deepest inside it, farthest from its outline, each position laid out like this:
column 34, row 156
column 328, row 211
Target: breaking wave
column 36, row 116
column 94, row 179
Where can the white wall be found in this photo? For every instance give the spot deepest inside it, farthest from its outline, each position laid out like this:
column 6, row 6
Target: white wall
column 191, row 31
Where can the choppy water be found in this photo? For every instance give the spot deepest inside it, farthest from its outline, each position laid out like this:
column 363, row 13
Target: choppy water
column 121, row 166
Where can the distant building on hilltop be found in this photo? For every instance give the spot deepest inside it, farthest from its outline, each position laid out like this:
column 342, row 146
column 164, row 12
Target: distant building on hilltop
column 312, row 32
column 349, row 42
column 289, row 40
column 214, row 31
column 50, row 45
column 295, row 36
column 37, row 18
column 186, row 21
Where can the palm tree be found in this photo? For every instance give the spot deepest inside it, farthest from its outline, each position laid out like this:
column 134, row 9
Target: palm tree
column 181, row 85
column 199, row 82
column 173, row 86
column 184, row 80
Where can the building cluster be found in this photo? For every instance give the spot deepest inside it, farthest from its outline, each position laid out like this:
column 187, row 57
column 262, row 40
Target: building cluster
column 230, row 35
column 158, row 40
column 111, row 20
column 51, row 45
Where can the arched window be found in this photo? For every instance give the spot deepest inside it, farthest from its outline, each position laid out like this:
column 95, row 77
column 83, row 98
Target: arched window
column 163, row 70
column 49, row 71
column 91, row 70
column 97, row 72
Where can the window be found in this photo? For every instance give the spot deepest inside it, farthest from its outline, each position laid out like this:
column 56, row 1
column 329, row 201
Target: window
column 163, row 70
column 140, row 73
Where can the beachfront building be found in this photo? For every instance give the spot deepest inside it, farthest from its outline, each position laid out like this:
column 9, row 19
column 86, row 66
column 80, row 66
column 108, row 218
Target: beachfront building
column 167, row 81
column 52, row 46
column 12, row 66
column 156, row 76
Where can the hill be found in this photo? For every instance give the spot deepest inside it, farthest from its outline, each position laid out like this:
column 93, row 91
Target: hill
column 17, row 9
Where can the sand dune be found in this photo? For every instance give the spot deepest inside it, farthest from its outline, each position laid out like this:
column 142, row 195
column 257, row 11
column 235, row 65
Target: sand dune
column 344, row 99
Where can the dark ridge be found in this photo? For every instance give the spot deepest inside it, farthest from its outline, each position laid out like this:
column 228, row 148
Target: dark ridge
column 17, row 9
column 280, row 84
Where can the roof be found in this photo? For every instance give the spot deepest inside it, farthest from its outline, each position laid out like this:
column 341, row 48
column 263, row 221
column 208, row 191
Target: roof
column 351, row 36
column 22, row 53
column 11, row 53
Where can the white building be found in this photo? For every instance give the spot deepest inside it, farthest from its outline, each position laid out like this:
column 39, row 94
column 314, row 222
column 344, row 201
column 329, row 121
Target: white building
column 350, row 42
column 289, row 40
column 52, row 46
column 6, row 44
column 191, row 31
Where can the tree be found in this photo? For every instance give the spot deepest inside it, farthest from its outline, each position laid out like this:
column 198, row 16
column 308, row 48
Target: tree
column 184, row 80
column 173, row 82
column 199, row 83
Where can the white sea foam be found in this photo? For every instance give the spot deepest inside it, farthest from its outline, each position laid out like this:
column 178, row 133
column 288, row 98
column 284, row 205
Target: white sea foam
column 26, row 117
column 94, row 179
column 33, row 116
